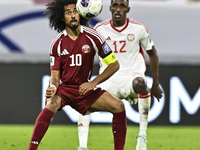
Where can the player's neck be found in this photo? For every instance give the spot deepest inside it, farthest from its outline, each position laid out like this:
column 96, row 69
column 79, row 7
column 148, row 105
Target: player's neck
column 73, row 34
column 119, row 24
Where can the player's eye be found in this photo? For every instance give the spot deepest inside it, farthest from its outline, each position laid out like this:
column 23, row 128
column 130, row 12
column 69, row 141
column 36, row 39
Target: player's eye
column 67, row 12
column 75, row 11
column 114, row 5
column 122, row 6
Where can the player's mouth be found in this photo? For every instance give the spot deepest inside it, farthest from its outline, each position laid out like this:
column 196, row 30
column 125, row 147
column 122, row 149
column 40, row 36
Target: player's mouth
column 73, row 22
column 118, row 15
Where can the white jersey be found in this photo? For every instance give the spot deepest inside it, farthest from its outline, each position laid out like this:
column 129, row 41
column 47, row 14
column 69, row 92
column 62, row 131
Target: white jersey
column 126, row 44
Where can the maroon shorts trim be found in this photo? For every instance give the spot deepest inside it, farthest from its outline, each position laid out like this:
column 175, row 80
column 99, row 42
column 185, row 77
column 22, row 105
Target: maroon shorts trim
column 69, row 96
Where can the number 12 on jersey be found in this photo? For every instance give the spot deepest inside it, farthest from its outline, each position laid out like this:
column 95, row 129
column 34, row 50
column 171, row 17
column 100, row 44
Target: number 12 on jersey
column 119, row 48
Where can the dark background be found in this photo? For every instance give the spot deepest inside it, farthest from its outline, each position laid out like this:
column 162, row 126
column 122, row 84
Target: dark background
column 21, row 92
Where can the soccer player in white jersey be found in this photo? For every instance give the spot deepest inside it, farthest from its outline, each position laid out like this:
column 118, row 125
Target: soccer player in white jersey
column 127, row 38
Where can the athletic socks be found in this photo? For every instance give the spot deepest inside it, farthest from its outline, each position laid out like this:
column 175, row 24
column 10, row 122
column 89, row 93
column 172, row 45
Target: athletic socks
column 41, row 125
column 119, row 126
column 144, row 103
column 83, row 129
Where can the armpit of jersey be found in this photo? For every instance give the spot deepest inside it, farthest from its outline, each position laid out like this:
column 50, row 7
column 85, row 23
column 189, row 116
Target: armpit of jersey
column 111, row 58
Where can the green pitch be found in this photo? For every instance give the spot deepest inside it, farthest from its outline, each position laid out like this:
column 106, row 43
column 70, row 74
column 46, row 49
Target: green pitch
column 16, row 137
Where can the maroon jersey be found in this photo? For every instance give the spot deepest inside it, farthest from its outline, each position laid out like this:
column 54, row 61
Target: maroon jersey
column 75, row 59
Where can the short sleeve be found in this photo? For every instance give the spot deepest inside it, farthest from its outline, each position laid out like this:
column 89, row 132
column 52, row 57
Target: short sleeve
column 145, row 41
column 103, row 48
column 54, row 57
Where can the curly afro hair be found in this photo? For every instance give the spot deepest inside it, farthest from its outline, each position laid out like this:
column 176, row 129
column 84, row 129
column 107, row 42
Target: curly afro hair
column 55, row 12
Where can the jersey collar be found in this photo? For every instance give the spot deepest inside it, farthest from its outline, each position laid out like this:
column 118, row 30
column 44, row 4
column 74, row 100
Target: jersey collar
column 65, row 32
column 127, row 22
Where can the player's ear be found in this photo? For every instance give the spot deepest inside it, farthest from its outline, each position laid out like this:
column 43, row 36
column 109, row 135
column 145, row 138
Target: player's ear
column 128, row 9
column 110, row 8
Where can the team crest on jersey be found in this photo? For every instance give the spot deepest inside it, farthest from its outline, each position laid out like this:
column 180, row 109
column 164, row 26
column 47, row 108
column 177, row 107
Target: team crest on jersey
column 106, row 48
column 131, row 37
column 86, row 49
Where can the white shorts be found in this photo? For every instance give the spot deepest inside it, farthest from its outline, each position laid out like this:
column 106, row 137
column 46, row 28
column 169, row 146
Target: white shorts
column 120, row 83
column 121, row 88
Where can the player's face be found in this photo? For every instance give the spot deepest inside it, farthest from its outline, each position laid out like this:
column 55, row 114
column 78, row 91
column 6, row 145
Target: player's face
column 119, row 9
column 71, row 16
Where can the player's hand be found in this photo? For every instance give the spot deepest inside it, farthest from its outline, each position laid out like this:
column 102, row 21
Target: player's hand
column 85, row 87
column 50, row 91
column 157, row 92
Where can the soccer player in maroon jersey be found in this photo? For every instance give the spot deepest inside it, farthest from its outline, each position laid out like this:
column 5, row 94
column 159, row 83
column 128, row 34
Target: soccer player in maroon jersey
column 72, row 54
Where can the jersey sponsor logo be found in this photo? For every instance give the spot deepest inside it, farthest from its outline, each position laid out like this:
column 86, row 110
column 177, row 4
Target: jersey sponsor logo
column 106, row 48
column 86, row 49
column 130, row 37
column 65, row 52
column 52, row 61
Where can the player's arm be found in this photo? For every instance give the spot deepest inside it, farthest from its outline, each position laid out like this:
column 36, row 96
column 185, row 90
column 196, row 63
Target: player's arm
column 148, row 45
column 113, row 66
column 53, row 83
column 153, row 58
column 54, row 79
column 54, row 67
column 154, row 65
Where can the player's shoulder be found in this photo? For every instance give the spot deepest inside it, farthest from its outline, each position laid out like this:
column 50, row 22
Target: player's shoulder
column 57, row 38
column 55, row 42
column 92, row 33
column 137, row 23
column 102, row 23
column 88, row 29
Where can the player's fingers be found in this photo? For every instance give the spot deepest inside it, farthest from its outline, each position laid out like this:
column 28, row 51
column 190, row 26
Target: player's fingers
column 85, row 91
column 159, row 97
column 81, row 91
column 48, row 92
column 47, row 96
column 49, row 89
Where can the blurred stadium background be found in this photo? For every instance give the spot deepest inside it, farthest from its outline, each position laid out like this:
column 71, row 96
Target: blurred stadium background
column 174, row 26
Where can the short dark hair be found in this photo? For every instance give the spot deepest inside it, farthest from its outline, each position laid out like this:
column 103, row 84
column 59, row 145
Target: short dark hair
column 55, row 12
column 125, row 0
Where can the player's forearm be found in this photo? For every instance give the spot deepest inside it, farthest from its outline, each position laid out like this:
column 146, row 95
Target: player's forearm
column 108, row 72
column 54, row 79
column 154, row 65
